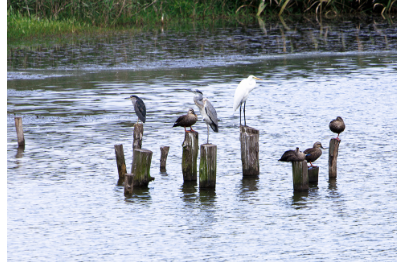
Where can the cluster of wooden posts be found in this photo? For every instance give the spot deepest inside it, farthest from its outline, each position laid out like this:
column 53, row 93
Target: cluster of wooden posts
column 303, row 176
column 249, row 139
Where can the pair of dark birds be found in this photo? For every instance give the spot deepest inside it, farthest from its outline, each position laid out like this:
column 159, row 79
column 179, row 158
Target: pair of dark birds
column 312, row 154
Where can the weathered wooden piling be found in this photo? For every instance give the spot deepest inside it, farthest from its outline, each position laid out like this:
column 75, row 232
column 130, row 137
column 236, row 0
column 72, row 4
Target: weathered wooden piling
column 207, row 171
column 163, row 159
column 249, row 139
column 189, row 156
column 312, row 173
column 128, row 184
column 141, row 167
column 120, row 160
column 137, row 142
column 300, row 175
column 333, row 155
column 18, row 127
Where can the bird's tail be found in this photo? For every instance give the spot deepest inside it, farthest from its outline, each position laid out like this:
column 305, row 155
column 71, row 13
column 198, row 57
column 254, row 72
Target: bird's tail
column 214, row 127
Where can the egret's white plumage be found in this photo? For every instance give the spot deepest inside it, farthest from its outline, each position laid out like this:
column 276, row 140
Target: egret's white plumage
column 242, row 91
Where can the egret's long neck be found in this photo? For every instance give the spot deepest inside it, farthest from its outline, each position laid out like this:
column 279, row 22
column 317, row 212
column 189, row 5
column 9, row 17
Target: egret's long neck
column 198, row 100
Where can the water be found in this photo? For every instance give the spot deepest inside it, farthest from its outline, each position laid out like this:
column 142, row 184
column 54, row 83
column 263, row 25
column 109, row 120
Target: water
column 62, row 194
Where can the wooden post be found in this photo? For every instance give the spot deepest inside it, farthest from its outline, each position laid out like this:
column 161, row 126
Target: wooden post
column 120, row 160
column 128, row 184
column 207, row 166
column 299, row 175
column 163, row 159
column 137, row 143
column 18, row 126
column 333, row 155
column 189, row 156
column 249, row 139
column 313, row 174
column 141, row 167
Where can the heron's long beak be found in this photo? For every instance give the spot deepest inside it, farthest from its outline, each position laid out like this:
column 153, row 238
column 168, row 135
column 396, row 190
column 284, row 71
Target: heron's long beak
column 127, row 98
column 257, row 78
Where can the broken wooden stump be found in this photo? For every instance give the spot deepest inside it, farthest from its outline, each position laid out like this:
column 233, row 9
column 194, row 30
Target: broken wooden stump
column 141, row 167
column 120, row 160
column 249, row 139
column 332, row 157
column 163, row 159
column 128, row 184
column 137, row 142
column 19, row 129
column 189, row 156
column 300, row 175
column 312, row 173
column 207, row 171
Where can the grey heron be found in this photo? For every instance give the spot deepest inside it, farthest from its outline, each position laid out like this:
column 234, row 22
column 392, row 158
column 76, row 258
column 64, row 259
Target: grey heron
column 337, row 126
column 242, row 91
column 139, row 107
column 312, row 154
column 292, row 155
column 207, row 111
column 186, row 120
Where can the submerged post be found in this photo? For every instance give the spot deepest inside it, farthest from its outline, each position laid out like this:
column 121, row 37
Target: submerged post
column 300, row 176
column 333, row 155
column 249, row 139
column 163, row 159
column 189, row 156
column 18, row 127
column 120, row 160
column 141, row 167
column 128, row 184
column 313, row 174
column 137, row 142
column 207, row 166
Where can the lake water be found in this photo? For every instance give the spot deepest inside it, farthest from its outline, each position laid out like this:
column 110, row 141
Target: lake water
column 63, row 201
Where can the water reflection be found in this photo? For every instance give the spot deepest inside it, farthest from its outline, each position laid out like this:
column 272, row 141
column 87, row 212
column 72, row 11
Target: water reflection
column 189, row 190
column 248, row 184
column 207, row 196
column 20, row 151
column 299, row 199
column 139, row 194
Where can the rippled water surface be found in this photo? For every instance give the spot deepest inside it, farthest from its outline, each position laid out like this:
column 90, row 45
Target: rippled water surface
column 63, row 202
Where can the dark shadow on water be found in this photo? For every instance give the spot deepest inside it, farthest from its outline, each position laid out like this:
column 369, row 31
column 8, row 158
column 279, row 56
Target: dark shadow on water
column 189, row 189
column 207, row 196
column 139, row 193
column 299, row 199
column 249, row 184
column 20, row 151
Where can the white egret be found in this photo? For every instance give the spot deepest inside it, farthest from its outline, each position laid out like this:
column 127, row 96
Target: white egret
column 139, row 107
column 207, row 111
column 242, row 91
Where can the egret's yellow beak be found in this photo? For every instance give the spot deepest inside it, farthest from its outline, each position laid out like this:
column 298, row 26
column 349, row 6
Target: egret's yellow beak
column 257, row 78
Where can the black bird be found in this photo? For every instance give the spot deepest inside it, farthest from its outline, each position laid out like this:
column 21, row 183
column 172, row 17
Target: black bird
column 312, row 154
column 186, row 120
column 337, row 126
column 139, row 107
column 292, row 155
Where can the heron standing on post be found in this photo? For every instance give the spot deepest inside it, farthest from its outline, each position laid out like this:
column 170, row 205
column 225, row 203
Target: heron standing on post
column 207, row 111
column 242, row 91
column 139, row 107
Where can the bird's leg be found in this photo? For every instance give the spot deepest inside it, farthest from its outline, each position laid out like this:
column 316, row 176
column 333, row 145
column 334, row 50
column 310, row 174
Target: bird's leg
column 337, row 138
column 186, row 130
column 245, row 124
column 191, row 129
column 240, row 113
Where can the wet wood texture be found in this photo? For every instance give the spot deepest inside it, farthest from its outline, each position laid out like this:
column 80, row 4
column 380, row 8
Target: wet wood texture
column 249, row 139
column 207, row 171
column 189, row 156
column 120, row 160
column 300, row 175
column 163, row 158
column 128, row 184
column 332, row 157
column 137, row 142
column 141, row 167
column 19, row 129
column 313, row 174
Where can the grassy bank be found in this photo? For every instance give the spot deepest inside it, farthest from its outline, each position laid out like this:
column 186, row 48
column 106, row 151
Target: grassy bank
column 28, row 18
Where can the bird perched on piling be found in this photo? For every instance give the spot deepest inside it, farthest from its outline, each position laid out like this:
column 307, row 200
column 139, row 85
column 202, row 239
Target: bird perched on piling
column 337, row 126
column 242, row 91
column 292, row 155
column 139, row 107
column 207, row 111
column 186, row 120
column 312, row 154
